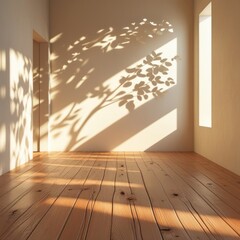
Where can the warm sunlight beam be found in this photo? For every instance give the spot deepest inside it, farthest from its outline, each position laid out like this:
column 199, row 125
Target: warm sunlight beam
column 76, row 183
column 151, row 134
column 68, row 203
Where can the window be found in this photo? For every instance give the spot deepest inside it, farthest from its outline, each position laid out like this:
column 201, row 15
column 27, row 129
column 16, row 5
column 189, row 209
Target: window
column 205, row 67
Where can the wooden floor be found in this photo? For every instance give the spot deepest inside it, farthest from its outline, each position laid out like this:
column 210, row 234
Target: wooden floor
column 127, row 196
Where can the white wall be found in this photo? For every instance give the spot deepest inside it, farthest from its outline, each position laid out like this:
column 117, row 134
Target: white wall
column 18, row 19
column 221, row 142
column 96, row 45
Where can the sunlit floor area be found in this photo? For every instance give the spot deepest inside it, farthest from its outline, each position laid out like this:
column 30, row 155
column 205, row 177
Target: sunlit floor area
column 127, row 196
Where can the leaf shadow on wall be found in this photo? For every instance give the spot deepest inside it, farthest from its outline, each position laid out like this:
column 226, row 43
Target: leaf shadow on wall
column 128, row 88
column 20, row 126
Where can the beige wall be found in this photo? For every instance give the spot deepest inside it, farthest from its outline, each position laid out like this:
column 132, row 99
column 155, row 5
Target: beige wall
column 221, row 142
column 96, row 46
column 18, row 19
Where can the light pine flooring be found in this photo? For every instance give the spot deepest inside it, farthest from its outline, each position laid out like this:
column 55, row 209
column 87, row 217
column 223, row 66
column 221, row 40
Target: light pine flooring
column 113, row 196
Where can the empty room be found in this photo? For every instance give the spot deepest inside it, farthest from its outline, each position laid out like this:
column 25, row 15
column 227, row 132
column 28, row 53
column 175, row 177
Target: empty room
column 119, row 120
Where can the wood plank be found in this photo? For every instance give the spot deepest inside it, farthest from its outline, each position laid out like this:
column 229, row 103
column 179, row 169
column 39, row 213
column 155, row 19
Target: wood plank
column 93, row 185
column 25, row 224
column 215, row 224
column 227, row 213
column 142, row 202
column 101, row 220
column 60, row 208
column 71, row 230
column 13, row 212
column 19, row 170
column 83, row 208
column 190, row 220
column 210, row 181
column 14, row 178
column 26, row 185
column 17, row 193
column 223, row 178
column 165, row 213
column 125, row 224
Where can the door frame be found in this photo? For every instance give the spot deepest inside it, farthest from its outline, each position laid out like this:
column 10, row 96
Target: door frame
column 44, row 92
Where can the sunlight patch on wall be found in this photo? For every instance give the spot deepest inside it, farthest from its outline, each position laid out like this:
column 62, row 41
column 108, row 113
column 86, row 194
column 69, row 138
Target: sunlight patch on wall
column 151, row 135
column 3, row 92
column 115, row 98
column 20, row 108
column 79, row 52
column 124, row 93
column 3, row 138
column 109, row 39
column 56, row 38
column 2, row 61
column 66, row 121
